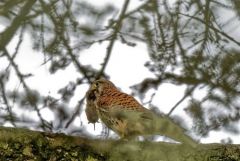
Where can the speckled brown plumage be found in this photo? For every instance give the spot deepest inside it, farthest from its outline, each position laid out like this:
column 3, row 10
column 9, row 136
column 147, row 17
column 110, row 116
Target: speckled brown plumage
column 127, row 117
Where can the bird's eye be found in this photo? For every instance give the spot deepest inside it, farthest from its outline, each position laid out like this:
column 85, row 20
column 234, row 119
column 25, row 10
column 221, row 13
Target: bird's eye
column 97, row 84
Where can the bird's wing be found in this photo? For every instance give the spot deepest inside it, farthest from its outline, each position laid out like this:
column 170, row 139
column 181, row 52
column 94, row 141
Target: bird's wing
column 142, row 121
column 128, row 122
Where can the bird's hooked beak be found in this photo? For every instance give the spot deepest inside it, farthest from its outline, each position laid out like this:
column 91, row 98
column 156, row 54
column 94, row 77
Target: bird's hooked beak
column 93, row 87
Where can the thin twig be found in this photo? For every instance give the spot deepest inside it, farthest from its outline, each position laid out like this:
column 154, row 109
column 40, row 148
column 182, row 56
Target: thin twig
column 213, row 28
column 19, row 43
column 188, row 92
column 76, row 113
column 207, row 22
column 45, row 124
column 142, row 6
column 60, row 33
column 19, row 74
column 117, row 28
column 5, row 100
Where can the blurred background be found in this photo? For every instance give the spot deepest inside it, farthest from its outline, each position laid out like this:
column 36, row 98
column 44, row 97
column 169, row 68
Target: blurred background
column 180, row 58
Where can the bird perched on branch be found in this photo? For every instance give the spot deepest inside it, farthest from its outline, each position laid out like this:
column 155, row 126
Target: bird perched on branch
column 126, row 116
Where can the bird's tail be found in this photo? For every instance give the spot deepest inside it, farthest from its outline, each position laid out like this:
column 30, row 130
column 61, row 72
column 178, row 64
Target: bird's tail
column 165, row 126
column 149, row 123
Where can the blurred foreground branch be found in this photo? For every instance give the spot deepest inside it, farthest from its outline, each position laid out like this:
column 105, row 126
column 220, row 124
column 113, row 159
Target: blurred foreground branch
column 24, row 144
column 8, row 34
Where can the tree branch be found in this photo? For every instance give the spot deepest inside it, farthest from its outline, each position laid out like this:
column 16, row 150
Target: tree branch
column 117, row 28
column 45, row 125
column 213, row 28
column 22, row 144
column 76, row 113
column 5, row 100
column 60, row 32
column 187, row 93
column 6, row 36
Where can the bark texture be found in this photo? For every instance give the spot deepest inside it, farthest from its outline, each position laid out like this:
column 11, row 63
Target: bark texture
column 23, row 144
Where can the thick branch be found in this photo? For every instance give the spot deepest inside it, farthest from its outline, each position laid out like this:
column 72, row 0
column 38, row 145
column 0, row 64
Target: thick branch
column 24, row 144
column 6, row 36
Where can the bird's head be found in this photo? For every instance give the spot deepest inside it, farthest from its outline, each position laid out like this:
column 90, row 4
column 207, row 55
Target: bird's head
column 102, row 85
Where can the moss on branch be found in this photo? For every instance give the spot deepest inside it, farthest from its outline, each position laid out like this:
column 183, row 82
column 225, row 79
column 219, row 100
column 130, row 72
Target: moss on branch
column 22, row 144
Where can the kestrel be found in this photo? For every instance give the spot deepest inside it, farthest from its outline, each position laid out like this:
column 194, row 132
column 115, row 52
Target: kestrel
column 127, row 117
